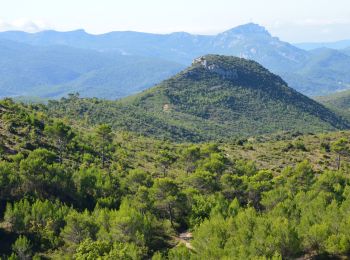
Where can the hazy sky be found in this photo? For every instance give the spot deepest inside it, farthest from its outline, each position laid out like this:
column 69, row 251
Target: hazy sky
column 291, row 20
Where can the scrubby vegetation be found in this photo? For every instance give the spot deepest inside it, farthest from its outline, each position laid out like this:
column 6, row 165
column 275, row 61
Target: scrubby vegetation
column 76, row 190
column 226, row 98
column 339, row 102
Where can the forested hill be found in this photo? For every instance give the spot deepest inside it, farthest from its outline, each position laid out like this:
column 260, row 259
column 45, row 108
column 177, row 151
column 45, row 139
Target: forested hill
column 218, row 97
column 339, row 102
column 69, row 191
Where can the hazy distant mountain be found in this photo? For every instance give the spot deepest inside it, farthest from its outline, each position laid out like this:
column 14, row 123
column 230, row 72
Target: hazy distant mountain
column 316, row 45
column 218, row 97
column 53, row 71
column 250, row 41
column 346, row 51
column 326, row 71
column 313, row 73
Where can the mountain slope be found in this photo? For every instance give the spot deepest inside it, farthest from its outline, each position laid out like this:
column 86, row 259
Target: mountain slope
column 324, row 72
column 249, row 41
column 218, row 97
column 339, row 102
column 346, row 51
column 252, row 41
column 47, row 71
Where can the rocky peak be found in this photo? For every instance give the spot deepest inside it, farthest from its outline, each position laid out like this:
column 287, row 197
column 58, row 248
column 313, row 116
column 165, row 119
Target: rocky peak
column 250, row 28
column 216, row 68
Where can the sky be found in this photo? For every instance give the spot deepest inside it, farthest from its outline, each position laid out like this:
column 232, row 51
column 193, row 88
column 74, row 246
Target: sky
column 290, row 20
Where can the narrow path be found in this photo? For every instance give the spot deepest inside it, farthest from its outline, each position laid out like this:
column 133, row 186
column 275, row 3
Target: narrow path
column 185, row 238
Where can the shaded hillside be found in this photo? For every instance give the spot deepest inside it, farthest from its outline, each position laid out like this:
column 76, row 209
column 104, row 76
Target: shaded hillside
column 218, row 97
column 55, row 71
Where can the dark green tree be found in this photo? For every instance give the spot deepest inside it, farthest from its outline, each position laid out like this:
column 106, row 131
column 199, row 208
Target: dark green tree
column 23, row 248
column 341, row 148
column 62, row 134
column 190, row 156
column 165, row 159
column 104, row 139
column 168, row 199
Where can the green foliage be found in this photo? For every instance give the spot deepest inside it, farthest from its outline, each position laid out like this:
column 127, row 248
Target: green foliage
column 43, row 218
column 341, row 147
column 78, row 228
column 338, row 102
column 22, row 248
column 210, row 237
column 233, row 201
column 179, row 252
column 104, row 139
column 169, row 201
column 62, row 135
column 90, row 250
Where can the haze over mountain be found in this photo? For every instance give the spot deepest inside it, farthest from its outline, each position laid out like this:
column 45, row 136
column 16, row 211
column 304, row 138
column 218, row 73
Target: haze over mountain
column 246, row 40
column 346, row 51
column 326, row 69
column 313, row 73
column 218, row 97
column 315, row 45
column 56, row 70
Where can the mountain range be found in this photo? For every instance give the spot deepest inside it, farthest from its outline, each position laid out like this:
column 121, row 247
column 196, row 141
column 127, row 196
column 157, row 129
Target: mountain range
column 217, row 97
column 118, row 64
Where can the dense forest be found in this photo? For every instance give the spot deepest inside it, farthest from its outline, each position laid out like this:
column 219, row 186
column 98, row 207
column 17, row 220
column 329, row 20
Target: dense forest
column 76, row 190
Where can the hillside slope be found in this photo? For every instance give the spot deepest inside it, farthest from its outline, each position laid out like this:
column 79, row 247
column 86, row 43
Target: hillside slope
column 339, row 102
column 218, row 97
column 324, row 72
column 55, row 71
column 69, row 191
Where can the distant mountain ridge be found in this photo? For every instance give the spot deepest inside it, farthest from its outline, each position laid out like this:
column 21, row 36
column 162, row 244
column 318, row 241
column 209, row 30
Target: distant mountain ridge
column 179, row 46
column 250, row 41
column 339, row 45
column 217, row 97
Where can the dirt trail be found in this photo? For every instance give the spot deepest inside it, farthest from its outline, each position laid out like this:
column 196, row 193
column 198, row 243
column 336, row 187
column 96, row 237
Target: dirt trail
column 185, row 238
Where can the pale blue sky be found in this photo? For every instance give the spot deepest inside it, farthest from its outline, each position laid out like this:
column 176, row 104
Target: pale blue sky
column 291, row 20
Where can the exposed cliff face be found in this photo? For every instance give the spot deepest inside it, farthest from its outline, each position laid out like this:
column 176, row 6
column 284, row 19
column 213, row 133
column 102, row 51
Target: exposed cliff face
column 216, row 68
